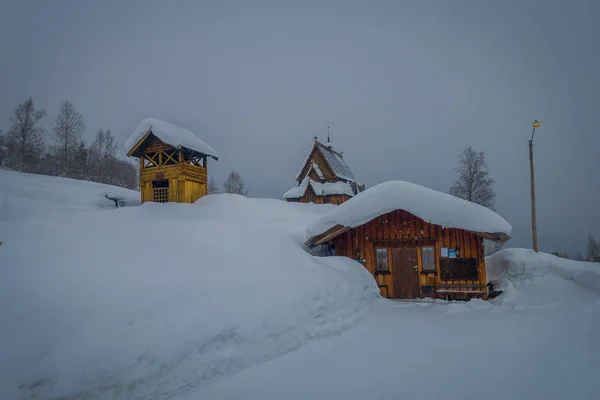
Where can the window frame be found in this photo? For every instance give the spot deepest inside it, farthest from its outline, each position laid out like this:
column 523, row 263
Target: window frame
column 385, row 270
column 433, row 259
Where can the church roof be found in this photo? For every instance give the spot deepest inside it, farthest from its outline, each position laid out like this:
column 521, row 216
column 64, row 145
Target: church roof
column 334, row 160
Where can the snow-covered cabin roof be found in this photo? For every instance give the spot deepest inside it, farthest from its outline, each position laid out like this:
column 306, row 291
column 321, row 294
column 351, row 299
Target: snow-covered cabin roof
column 171, row 135
column 320, row 189
column 334, row 160
column 430, row 205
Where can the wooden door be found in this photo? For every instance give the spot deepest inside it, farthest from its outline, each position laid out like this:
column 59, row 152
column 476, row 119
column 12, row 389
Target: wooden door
column 405, row 273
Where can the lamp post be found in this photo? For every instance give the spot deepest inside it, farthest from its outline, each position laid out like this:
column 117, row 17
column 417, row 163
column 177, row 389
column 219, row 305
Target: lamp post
column 535, row 124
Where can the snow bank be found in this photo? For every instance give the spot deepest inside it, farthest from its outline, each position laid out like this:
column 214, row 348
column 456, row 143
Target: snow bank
column 428, row 204
column 170, row 134
column 36, row 197
column 522, row 265
column 150, row 301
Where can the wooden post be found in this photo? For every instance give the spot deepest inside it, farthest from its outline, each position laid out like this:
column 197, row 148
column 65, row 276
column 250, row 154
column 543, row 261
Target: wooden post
column 204, row 161
column 533, row 217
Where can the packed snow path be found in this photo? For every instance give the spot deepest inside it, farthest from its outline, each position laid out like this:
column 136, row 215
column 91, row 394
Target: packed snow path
column 545, row 347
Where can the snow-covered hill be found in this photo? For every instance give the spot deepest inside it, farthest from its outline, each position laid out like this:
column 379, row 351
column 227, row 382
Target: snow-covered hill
column 538, row 341
column 150, row 301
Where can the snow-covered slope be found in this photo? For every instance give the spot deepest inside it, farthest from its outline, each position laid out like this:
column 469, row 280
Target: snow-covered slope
column 30, row 197
column 149, row 301
column 540, row 341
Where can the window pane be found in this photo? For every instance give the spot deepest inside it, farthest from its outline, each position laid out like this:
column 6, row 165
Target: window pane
column 382, row 259
column 428, row 256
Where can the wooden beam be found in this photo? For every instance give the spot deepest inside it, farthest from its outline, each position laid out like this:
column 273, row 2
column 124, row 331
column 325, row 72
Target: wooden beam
column 134, row 148
column 149, row 157
column 170, row 156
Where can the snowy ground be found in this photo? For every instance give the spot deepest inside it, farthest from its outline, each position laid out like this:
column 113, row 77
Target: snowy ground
column 541, row 341
column 149, row 301
column 218, row 300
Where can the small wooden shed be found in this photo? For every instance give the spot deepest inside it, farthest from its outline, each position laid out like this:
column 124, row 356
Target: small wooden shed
column 324, row 178
column 173, row 162
column 416, row 242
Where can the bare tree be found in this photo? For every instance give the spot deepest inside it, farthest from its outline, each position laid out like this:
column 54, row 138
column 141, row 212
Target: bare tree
column 67, row 131
column 235, row 184
column 24, row 140
column 474, row 183
column 593, row 249
column 212, row 186
column 102, row 157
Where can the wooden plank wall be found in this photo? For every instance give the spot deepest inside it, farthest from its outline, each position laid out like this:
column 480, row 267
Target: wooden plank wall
column 400, row 228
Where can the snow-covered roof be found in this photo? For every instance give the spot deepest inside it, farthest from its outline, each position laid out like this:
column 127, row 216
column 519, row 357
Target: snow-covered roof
column 171, row 135
column 334, row 160
column 321, row 189
column 329, row 188
column 295, row 192
column 430, row 205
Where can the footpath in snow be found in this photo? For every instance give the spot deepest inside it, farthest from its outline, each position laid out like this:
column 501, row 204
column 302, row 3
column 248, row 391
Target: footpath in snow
column 151, row 301
column 538, row 341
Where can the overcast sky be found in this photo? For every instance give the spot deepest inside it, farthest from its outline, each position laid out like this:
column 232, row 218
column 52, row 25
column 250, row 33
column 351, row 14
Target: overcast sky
column 408, row 85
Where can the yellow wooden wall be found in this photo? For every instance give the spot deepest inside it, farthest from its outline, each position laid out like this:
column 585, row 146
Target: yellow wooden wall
column 402, row 228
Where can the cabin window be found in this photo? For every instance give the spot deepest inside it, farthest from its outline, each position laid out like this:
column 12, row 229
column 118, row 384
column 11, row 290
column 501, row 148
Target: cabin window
column 428, row 257
column 382, row 259
column 459, row 268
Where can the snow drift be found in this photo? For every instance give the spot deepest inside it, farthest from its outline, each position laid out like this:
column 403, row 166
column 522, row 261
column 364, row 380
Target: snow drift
column 149, row 301
column 523, row 265
column 428, row 204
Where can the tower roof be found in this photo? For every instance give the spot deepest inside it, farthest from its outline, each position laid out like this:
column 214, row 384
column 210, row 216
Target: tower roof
column 170, row 134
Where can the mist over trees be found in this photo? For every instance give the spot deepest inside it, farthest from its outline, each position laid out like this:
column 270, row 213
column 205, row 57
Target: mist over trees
column 235, row 184
column 593, row 249
column 22, row 148
column 474, row 183
column 212, row 186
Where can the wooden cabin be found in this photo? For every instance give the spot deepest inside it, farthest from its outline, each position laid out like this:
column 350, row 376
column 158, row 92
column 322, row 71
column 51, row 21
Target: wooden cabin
column 173, row 162
column 421, row 253
column 324, row 178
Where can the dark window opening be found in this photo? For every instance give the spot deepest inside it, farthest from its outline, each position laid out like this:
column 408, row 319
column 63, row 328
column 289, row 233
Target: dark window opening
column 160, row 191
column 459, row 268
